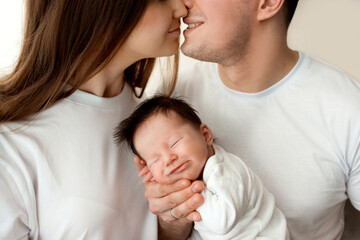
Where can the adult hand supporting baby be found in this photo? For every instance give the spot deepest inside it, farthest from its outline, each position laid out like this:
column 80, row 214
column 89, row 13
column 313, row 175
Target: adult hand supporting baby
column 181, row 198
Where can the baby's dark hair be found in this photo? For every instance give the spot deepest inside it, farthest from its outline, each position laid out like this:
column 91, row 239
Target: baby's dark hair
column 125, row 131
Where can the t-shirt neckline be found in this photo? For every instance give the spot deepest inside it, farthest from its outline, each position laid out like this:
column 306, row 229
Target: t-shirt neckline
column 285, row 80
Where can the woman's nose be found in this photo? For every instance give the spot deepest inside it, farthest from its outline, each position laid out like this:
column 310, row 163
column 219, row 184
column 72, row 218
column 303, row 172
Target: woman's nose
column 179, row 9
column 188, row 3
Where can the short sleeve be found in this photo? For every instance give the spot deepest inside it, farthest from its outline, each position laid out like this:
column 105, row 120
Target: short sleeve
column 14, row 220
column 353, row 183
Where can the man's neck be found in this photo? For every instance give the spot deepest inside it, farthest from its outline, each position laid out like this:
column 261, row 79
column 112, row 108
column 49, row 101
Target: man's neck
column 258, row 70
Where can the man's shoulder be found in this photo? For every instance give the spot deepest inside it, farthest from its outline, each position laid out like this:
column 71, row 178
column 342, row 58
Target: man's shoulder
column 322, row 69
column 328, row 79
column 329, row 92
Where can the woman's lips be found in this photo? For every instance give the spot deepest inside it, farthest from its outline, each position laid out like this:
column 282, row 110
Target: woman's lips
column 175, row 32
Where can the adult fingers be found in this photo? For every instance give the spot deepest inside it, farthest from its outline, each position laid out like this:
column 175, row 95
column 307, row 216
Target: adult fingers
column 194, row 216
column 156, row 190
column 147, row 177
column 183, row 201
column 144, row 171
column 140, row 164
column 187, row 208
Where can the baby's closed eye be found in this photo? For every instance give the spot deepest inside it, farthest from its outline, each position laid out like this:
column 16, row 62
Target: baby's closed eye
column 176, row 142
column 153, row 161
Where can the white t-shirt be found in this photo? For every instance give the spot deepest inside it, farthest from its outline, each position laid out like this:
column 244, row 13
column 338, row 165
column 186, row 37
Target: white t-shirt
column 237, row 206
column 301, row 137
column 63, row 177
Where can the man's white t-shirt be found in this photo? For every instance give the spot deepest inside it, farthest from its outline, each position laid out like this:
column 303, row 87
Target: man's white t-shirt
column 301, row 136
column 63, row 177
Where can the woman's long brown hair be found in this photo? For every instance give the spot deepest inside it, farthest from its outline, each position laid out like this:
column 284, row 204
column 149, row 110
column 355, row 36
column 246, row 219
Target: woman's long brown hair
column 65, row 43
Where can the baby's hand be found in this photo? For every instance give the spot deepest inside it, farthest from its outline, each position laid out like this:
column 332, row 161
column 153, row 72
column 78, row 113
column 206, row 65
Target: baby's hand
column 143, row 169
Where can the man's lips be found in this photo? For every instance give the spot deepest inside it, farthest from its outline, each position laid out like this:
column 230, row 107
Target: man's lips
column 179, row 168
column 192, row 22
column 193, row 25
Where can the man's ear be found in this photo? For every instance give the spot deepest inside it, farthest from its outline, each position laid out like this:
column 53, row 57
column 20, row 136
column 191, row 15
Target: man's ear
column 269, row 8
column 208, row 136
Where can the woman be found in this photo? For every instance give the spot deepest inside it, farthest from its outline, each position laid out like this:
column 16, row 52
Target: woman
column 61, row 175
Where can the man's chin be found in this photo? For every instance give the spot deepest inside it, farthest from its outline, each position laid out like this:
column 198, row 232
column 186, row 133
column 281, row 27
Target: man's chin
column 191, row 52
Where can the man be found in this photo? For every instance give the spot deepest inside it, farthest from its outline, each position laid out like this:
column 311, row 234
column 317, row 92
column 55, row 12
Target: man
column 294, row 120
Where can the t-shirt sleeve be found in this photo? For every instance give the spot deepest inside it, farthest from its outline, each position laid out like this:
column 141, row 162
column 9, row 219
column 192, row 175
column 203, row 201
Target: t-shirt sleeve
column 353, row 183
column 14, row 220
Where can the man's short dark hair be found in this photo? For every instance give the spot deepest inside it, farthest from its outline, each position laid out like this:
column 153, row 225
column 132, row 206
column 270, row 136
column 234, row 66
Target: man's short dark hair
column 125, row 131
column 290, row 6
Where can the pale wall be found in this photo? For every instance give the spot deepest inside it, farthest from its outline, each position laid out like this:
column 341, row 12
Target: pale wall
column 330, row 30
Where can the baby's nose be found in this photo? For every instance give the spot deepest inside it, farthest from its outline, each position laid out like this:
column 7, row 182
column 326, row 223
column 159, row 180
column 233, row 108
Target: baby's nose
column 171, row 158
column 168, row 168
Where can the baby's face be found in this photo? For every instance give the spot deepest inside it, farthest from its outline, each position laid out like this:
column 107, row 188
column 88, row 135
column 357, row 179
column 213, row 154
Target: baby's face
column 173, row 148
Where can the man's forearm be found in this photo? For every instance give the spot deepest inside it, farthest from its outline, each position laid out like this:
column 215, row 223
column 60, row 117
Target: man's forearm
column 174, row 231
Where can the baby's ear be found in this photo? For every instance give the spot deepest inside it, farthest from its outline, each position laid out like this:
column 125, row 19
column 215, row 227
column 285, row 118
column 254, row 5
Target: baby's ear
column 206, row 132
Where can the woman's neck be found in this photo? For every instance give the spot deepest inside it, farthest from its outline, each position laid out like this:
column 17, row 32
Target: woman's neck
column 104, row 84
column 109, row 82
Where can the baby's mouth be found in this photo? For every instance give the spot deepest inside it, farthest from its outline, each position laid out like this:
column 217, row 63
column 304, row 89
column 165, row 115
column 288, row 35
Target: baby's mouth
column 177, row 169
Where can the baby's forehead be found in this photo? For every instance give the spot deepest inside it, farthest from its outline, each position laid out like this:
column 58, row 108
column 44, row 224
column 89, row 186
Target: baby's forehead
column 156, row 118
column 158, row 123
column 169, row 115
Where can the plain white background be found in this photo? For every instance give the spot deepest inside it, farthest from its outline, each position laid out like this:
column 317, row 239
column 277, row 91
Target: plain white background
column 11, row 18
